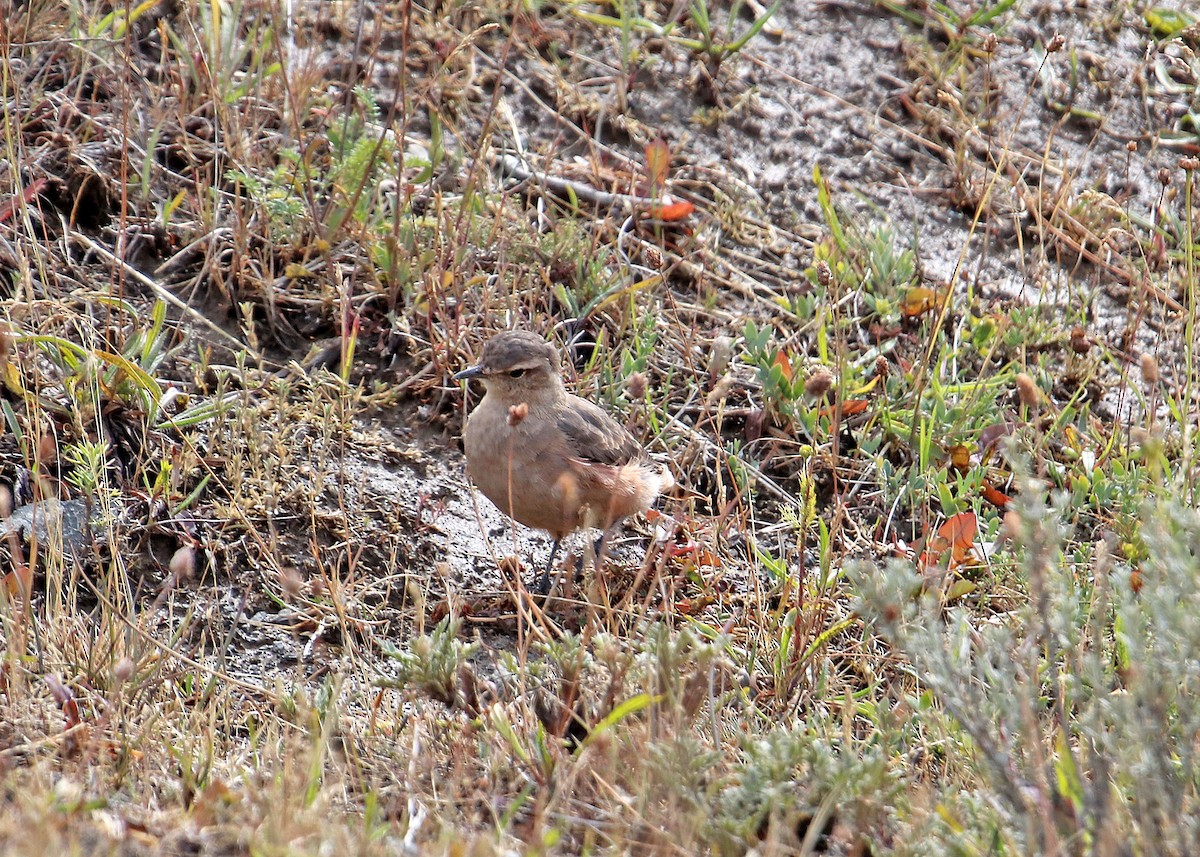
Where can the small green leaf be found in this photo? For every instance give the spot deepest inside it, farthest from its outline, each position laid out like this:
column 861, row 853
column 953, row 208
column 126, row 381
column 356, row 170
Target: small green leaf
column 1165, row 23
column 989, row 13
column 630, row 706
column 960, row 589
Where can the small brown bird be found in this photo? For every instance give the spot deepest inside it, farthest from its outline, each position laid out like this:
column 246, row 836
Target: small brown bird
column 547, row 458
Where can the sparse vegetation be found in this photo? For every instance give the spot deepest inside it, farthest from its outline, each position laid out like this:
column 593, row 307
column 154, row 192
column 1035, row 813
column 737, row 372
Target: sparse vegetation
column 927, row 586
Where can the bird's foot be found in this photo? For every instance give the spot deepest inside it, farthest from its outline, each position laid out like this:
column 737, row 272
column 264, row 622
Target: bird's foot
column 543, row 585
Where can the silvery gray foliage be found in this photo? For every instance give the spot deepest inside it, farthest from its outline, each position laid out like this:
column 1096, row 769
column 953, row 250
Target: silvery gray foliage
column 1077, row 707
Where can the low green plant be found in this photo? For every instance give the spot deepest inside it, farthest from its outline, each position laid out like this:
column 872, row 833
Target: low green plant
column 89, row 379
column 227, row 48
column 715, row 47
column 432, row 663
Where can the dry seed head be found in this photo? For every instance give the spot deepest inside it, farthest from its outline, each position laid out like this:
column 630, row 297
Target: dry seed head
column 1149, row 367
column 635, row 386
column 123, row 670
column 47, row 449
column 1189, row 164
column 422, row 648
column 1056, row 43
column 1131, row 146
column 290, row 581
column 989, row 43
column 819, row 382
column 1102, row 551
column 68, row 792
column 1164, row 176
column 1080, row 343
column 1027, row 391
column 719, row 357
column 721, row 390
column 416, row 595
column 824, row 274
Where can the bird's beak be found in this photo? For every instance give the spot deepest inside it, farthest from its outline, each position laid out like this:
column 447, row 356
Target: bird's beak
column 469, row 372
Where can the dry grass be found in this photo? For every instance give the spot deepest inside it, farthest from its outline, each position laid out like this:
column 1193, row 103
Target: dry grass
column 244, row 254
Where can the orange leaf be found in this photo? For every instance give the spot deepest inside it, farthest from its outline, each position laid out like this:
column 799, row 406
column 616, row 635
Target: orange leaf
column 959, row 530
column 782, row 361
column 658, row 161
column 960, row 457
column 672, row 211
column 692, row 555
column 997, row 498
column 917, row 301
column 848, row 408
column 957, row 535
column 19, row 581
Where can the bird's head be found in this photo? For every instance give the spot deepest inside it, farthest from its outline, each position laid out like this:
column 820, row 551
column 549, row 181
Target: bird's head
column 518, row 366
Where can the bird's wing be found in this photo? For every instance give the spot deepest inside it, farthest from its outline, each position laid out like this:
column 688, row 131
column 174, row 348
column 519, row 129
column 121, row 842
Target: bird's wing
column 594, row 436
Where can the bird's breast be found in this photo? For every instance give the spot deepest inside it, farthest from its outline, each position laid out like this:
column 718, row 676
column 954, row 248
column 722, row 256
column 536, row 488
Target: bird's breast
column 515, row 461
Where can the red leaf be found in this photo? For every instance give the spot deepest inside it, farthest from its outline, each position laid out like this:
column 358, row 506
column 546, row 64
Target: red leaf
column 9, row 206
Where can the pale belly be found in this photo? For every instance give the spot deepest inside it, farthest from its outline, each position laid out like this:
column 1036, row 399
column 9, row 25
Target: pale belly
column 524, row 482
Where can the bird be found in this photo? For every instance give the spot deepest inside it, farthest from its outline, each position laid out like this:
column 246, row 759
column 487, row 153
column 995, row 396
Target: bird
column 547, row 458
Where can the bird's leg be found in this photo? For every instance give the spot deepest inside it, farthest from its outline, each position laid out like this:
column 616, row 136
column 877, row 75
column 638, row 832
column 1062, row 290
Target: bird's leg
column 597, row 590
column 596, row 555
column 542, row 587
column 598, row 547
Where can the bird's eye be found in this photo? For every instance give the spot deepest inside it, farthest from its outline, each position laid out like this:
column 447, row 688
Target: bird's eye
column 516, row 373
